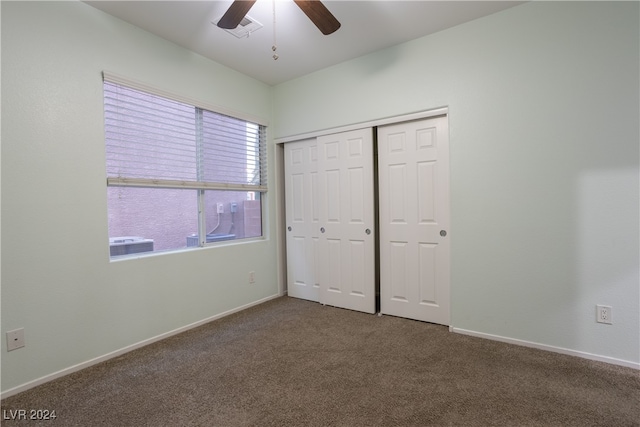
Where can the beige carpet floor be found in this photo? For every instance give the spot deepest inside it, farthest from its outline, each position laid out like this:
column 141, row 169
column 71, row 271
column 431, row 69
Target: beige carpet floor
column 290, row 362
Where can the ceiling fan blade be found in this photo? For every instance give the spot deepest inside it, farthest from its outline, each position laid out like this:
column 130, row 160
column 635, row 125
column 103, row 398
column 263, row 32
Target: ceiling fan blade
column 319, row 15
column 235, row 14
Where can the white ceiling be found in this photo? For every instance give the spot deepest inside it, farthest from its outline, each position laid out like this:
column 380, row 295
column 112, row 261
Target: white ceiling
column 367, row 26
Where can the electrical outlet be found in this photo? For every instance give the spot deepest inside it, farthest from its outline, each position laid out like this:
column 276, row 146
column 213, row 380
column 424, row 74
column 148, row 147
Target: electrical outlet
column 220, row 208
column 603, row 314
column 15, row 339
column 252, row 277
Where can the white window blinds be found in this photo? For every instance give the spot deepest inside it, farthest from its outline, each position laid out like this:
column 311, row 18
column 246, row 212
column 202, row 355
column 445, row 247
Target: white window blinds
column 155, row 141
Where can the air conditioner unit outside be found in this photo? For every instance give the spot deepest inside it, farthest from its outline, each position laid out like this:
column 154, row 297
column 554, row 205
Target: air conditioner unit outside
column 127, row 245
column 193, row 240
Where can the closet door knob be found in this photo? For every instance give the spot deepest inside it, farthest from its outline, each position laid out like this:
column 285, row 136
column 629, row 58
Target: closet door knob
column 289, row 228
column 322, row 229
column 443, row 233
column 367, row 231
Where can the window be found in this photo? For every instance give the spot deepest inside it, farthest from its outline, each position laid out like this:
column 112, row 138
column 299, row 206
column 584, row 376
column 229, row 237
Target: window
column 178, row 175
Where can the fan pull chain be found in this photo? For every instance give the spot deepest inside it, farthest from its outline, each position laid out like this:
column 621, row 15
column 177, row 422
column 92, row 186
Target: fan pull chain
column 274, row 47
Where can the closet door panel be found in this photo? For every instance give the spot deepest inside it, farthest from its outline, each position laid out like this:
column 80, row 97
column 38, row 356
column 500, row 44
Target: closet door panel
column 347, row 229
column 413, row 170
column 302, row 216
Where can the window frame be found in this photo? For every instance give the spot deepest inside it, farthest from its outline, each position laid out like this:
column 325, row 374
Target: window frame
column 199, row 186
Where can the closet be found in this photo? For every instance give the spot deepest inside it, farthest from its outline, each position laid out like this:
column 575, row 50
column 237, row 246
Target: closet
column 341, row 207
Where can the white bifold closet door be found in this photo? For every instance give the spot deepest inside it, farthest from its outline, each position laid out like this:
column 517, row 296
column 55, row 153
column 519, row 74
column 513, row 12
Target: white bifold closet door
column 413, row 173
column 330, row 220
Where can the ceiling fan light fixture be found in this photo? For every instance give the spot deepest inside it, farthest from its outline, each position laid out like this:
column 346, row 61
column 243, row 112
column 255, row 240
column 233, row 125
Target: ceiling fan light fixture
column 247, row 26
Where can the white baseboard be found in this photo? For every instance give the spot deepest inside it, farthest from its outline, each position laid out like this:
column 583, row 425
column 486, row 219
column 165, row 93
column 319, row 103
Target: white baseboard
column 88, row 363
column 582, row 354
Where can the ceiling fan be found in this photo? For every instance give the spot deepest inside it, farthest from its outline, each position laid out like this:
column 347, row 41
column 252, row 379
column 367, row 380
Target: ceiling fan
column 314, row 9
